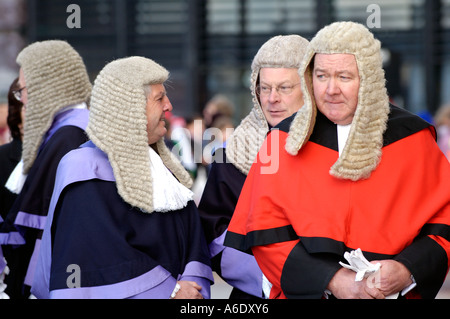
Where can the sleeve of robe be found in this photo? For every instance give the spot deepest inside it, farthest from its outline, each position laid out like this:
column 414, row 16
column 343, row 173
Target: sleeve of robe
column 216, row 208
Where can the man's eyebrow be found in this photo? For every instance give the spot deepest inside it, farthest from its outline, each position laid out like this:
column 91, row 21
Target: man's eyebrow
column 160, row 95
column 347, row 73
column 338, row 71
column 279, row 83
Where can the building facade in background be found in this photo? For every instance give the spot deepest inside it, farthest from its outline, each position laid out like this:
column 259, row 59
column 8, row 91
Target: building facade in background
column 208, row 44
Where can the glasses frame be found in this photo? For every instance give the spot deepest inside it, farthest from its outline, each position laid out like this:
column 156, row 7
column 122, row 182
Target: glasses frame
column 18, row 94
column 278, row 89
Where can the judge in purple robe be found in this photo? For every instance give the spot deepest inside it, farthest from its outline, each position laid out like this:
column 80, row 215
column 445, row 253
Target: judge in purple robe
column 55, row 88
column 122, row 222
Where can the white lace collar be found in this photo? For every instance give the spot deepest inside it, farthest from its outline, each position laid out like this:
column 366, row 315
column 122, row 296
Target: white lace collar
column 342, row 133
column 168, row 193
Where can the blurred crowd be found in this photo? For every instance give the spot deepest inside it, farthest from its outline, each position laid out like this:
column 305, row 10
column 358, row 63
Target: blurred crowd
column 194, row 139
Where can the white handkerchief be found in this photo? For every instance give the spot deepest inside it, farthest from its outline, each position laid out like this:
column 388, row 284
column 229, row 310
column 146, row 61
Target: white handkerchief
column 359, row 264
column 363, row 268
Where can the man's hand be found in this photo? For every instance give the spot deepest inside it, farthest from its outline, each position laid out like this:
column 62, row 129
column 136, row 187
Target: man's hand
column 394, row 277
column 344, row 286
column 188, row 290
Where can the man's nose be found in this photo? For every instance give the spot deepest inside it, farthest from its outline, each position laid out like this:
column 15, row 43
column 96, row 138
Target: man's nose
column 274, row 95
column 168, row 106
column 333, row 87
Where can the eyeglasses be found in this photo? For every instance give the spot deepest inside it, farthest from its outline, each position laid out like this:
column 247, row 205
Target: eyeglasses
column 265, row 90
column 18, row 93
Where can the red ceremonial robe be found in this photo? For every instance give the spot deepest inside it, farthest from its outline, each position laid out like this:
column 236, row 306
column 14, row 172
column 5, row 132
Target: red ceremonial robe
column 298, row 220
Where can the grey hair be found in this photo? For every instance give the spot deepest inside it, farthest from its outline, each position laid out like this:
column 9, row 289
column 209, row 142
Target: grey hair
column 147, row 90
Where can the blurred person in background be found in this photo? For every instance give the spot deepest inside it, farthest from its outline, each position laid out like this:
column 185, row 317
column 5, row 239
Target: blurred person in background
column 179, row 139
column 215, row 137
column 275, row 88
column 195, row 127
column 5, row 135
column 54, row 88
column 10, row 155
column 184, row 138
column 218, row 105
column 442, row 123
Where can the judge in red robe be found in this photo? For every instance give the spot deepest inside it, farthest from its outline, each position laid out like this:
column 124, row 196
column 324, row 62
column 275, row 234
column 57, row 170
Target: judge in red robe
column 353, row 172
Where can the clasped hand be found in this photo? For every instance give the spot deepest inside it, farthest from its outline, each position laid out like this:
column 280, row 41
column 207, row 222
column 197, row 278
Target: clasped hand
column 392, row 278
column 188, row 290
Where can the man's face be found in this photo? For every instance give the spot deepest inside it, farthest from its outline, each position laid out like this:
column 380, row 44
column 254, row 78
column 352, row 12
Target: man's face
column 336, row 86
column 22, row 85
column 157, row 105
column 280, row 94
